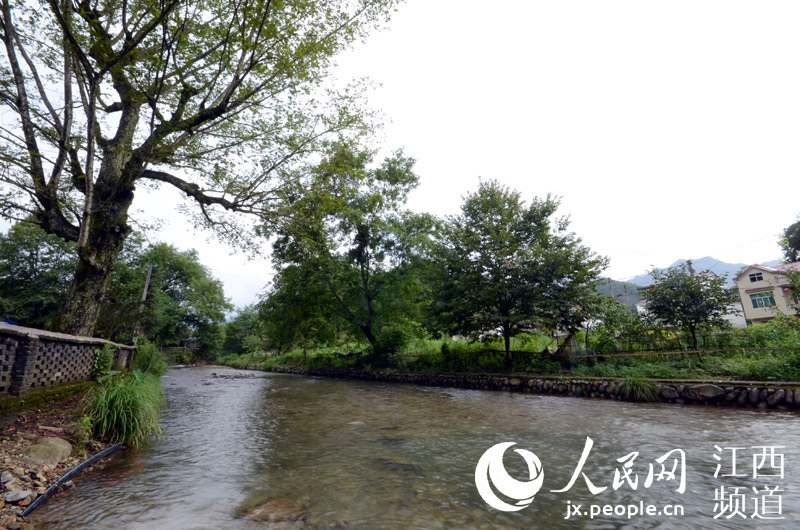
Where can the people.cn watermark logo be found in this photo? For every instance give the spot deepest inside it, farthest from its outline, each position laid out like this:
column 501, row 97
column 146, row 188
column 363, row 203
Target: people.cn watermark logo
column 490, row 471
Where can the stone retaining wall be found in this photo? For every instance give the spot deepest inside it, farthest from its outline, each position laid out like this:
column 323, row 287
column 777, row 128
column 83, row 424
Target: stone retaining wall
column 782, row 396
column 33, row 359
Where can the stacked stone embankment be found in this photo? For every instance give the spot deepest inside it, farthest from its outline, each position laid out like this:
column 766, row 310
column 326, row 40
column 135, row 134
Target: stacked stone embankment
column 781, row 396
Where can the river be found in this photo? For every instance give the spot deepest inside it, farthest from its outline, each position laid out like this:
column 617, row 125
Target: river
column 354, row 454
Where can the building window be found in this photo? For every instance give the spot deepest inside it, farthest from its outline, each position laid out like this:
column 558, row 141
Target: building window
column 762, row 300
column 756, row 277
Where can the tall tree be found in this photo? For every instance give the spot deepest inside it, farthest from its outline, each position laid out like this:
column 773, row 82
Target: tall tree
column 218, row 99
column 363, row 248
column 507, row 267
column 686, row 300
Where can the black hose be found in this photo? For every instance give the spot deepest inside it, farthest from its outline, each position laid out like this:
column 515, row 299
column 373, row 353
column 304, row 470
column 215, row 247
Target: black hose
column 69, row 475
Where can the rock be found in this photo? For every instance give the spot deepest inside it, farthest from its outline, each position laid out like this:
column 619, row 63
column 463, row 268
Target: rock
column 762, row 396
column 15, row 497
column 731, row 394
column 515, row 381
column 14, row 526
column 668, row 392
column 797, row 398
column 776, row 398
column 49, row 451
column 704, row 392
column 18, row 471
column 275, row 510
column 790, row 398
column 6, row 477
column 753, row 396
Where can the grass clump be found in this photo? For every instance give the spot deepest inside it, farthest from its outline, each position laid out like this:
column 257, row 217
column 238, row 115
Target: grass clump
column 638, row 389
column 126, row 408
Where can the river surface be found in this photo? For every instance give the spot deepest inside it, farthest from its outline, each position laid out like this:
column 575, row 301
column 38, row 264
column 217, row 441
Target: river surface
column 372, row 455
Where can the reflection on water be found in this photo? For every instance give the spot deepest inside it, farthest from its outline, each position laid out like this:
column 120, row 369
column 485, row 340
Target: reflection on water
column 370, row 455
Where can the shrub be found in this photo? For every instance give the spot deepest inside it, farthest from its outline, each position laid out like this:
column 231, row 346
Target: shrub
column 126, row 409
column 150, row 360
column 103, row 359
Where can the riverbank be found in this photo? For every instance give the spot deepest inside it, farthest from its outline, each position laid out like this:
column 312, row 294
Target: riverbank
column 750, row 394
column 23, row 478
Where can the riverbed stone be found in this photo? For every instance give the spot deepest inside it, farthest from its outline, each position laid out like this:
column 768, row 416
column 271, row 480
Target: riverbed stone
column 789, row 397
column 776, row 398
column 704, row 392
column 753, row 397
column 15, row 497
column 49, row 451
column 669, row 392
column 6, row 477
column 731, row 394
column 275, row 510
column 797, row 398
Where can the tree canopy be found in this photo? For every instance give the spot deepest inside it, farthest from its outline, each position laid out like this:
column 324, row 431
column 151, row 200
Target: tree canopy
column 506, row 267
column 354, row 252
column 689, row 301
column 184, row 300
column 221, row 100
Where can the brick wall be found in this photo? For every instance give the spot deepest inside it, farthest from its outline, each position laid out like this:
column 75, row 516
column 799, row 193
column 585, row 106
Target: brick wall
column 33, row 359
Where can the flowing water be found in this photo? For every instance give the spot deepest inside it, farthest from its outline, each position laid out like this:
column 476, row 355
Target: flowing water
column 371, row 455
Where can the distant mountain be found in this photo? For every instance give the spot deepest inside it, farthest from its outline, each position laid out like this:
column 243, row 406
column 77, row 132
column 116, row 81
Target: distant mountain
column 623, row 292
column 716, row 266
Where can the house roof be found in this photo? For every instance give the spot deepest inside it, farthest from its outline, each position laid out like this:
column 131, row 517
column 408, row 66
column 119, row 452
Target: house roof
column 780, row 269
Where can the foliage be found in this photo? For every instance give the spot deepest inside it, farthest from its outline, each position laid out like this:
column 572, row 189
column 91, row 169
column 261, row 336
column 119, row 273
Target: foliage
column 127, row 408
column 184, row 300
column 351, row 257
column 244, row 332
column 35, row 272
column 299, row 309
column 82, row 435
column 689, row 301
column 223, row 101
column 505, row 268
column 103, row 360
column 790, row 242
column 149, row 359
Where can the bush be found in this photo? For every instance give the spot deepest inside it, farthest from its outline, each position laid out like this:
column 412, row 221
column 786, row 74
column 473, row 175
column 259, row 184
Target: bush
column 103, row 359
column 126, row 409
column 150, row 360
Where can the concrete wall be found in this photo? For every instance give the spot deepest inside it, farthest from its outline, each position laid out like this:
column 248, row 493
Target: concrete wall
column 33, row 359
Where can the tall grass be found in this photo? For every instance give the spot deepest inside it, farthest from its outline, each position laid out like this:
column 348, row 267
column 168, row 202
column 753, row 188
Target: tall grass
column 149, row 359
column 126, row 409
column 637, row 389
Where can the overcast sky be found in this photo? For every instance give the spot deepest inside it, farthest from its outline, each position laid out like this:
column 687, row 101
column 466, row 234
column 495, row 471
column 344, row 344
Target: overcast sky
column 670, row 129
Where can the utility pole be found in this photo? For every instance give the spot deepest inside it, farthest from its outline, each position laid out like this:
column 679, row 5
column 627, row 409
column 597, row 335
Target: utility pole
column 141, row 304
column 627, row 300
column 691, row 269
column 611, row 288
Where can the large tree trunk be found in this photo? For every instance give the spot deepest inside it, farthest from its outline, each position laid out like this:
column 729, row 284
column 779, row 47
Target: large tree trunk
column 106, row 235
